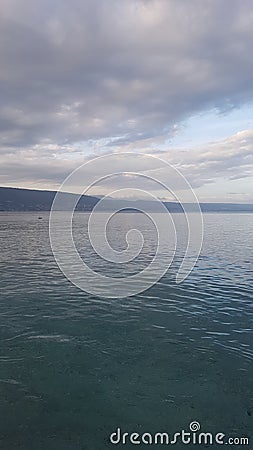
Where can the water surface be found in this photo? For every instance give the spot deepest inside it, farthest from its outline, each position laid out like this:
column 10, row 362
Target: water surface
column 75, row 367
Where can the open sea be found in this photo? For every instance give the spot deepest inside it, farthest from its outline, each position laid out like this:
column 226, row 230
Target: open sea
column 74, row 367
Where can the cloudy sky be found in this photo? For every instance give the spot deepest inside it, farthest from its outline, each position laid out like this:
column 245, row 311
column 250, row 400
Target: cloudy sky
column 172, row 78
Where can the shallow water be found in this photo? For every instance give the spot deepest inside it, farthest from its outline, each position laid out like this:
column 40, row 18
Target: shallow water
column 75, row 367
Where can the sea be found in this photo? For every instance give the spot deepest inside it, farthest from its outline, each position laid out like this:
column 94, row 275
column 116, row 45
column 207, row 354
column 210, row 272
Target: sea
column 81, row 372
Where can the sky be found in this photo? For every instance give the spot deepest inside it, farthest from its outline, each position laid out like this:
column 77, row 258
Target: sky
column 172, row 78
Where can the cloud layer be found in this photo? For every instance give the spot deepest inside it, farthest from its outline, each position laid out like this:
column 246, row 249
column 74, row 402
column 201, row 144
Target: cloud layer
column 102, row 72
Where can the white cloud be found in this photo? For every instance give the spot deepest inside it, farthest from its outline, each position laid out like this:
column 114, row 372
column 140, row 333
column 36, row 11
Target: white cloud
column 213, row 170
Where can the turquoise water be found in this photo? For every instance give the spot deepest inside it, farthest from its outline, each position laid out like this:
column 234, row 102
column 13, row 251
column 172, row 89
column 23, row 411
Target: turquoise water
column 75, row 367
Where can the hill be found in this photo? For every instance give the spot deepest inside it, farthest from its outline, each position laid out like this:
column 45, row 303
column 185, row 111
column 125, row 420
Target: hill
column 15, row 199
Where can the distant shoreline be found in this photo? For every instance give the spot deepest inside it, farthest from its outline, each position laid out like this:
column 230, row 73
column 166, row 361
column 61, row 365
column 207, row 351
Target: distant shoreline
column 27, row 200
column 2, row 213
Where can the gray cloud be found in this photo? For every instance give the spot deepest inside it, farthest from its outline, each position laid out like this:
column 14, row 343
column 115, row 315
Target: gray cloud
column 102, row 68
column 102, row 73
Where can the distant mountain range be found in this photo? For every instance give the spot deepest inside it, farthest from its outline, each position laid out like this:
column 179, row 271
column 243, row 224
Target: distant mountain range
column 14, row 199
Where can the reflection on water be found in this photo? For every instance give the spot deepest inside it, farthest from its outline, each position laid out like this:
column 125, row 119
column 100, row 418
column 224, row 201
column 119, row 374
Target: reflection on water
column 75, row 367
